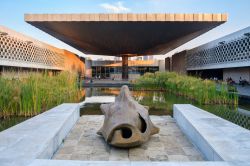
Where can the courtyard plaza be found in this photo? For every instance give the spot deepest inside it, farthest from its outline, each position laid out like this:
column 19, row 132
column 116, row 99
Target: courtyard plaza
column 183, row 134
column 170, row 144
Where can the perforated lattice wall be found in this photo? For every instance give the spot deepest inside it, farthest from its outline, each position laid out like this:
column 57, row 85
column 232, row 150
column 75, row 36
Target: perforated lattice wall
column 237, row 50
column 16, row 50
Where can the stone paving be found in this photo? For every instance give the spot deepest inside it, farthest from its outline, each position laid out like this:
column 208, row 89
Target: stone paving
column 170, row 144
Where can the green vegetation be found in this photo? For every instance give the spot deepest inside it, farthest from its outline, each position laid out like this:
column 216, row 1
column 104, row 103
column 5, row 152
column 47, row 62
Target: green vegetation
column 36, row 93
column 201, row 91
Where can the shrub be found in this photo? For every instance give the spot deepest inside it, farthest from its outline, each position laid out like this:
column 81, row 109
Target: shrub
column 202, row 91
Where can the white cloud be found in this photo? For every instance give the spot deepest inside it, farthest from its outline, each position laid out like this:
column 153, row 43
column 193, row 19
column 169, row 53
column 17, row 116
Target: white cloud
column 115, row 7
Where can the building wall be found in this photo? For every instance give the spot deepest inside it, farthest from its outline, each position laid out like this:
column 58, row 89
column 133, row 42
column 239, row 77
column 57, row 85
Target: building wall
column 179, row 62
column 20, row 51
column 236, row 73
column 88, row 66
column 167, row 64
column 73, row 63
column 228, row 52
column 162, row 65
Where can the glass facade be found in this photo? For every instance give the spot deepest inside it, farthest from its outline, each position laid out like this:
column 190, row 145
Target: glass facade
column 105, row 71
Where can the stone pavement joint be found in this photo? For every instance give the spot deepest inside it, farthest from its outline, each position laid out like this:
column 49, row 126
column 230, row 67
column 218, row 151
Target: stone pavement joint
column 169, row 145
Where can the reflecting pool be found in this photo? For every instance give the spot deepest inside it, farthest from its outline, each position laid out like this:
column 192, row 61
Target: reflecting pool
column 160, row 103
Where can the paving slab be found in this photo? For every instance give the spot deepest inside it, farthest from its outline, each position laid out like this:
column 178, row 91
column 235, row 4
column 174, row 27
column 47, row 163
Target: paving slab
column 131, row 163
column 169, row 145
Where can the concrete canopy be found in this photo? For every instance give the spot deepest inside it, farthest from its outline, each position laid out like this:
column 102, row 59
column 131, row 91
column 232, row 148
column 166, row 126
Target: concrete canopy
column 125, row 34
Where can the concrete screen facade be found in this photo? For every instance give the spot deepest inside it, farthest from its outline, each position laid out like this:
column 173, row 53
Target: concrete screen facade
column 227, row 52
column 20, row 51
column 229, row 56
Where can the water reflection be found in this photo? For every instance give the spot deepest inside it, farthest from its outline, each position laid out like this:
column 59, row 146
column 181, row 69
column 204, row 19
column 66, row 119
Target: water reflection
column 9, row 122
column 161, row 103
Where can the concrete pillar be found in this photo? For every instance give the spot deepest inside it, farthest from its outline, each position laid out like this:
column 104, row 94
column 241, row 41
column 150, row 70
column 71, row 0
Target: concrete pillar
column 124, row 67
column 161, row 64
column 167, row 64
column 88, row 68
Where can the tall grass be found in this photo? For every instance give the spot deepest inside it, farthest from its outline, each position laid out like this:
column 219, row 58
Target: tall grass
column 201, row 91
column 36, row 93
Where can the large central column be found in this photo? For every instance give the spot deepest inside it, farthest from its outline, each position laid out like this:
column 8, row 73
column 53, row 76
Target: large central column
column 124, row 67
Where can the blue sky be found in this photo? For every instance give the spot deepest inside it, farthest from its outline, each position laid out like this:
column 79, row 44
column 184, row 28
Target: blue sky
column 12, row 14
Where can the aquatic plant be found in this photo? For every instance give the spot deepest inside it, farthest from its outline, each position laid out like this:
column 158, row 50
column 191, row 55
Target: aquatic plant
column 197, row 89
column 36, row 93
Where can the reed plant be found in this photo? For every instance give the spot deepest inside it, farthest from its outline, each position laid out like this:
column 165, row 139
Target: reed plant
column 36, row 93
column 193, row 88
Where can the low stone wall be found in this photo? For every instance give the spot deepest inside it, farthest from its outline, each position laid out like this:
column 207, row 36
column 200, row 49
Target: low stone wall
column 39, row 162
column 34, row 142
column 216, row 138
column 38, row 137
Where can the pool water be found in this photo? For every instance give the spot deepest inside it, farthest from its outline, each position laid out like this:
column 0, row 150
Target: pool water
column 9, row 122
column 160, row 103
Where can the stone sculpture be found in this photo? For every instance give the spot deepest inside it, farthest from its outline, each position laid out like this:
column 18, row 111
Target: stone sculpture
column 126, row 122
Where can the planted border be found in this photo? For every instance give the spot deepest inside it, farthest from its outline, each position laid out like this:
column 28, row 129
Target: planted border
column 197, row 89
column 36, row 93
